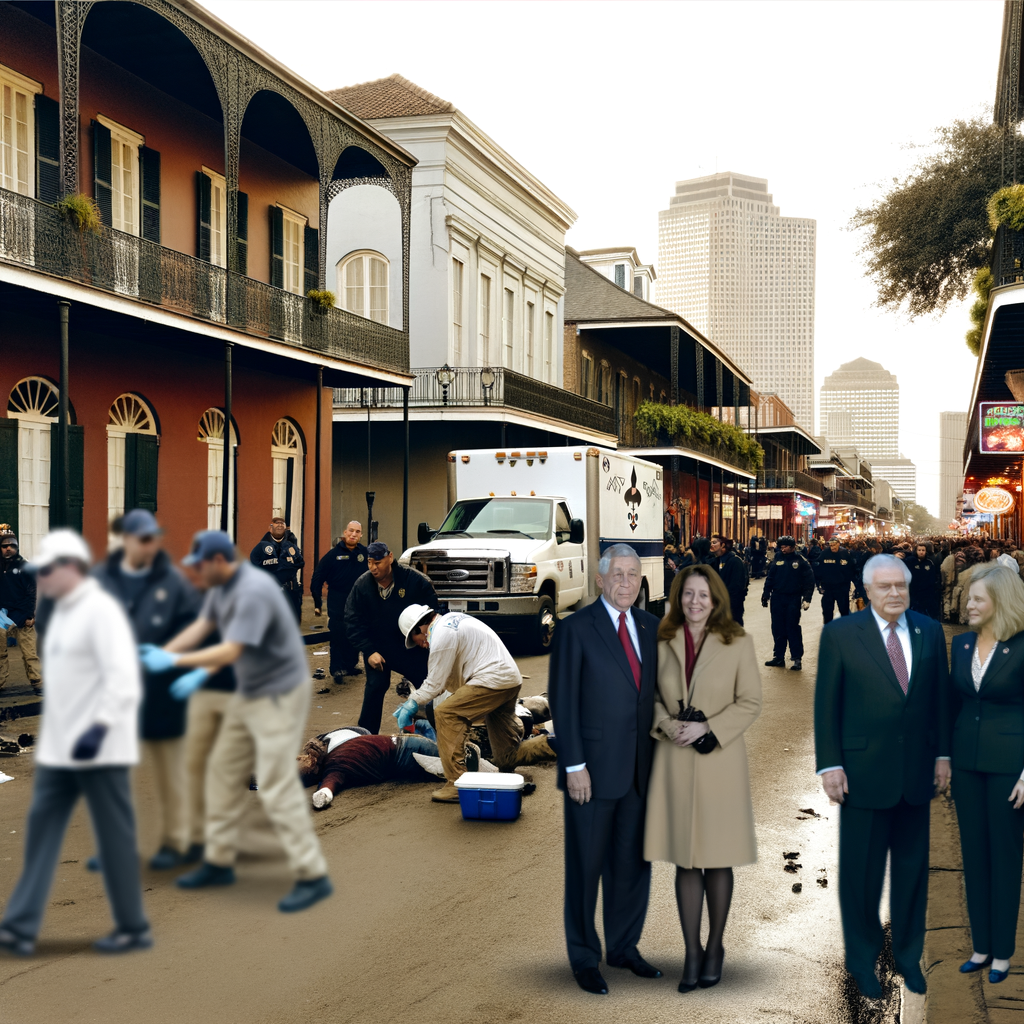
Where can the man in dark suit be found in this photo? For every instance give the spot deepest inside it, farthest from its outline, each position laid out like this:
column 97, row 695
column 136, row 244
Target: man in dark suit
column 881, row 732
column 602, row 683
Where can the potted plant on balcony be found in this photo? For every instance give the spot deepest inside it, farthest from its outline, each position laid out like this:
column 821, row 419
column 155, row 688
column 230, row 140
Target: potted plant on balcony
column 82, row 211
column 321, row 301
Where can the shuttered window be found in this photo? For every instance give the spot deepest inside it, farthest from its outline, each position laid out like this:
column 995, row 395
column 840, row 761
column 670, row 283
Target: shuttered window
column 17, row 166
column 212, row 217
column 47, row 149
column 117, row 176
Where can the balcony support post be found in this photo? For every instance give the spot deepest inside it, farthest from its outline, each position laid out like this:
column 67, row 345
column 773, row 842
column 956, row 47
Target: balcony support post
column 405, row 470
column 674, row 362
column 317, row 468
column 225, row 497
column 64, row 468
column 71, row 17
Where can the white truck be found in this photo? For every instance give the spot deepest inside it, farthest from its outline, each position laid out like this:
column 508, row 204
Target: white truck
column 525, row 530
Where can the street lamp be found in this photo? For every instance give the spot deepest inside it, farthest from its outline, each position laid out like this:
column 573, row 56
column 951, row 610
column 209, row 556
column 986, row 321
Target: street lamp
column 487, row 379
column 445, row 376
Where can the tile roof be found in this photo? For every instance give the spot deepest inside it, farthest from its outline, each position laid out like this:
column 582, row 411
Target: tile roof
column 590, row 296
column 393, row 96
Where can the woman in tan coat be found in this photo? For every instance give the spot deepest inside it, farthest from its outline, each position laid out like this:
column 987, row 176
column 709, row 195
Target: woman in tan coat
column 699, row 811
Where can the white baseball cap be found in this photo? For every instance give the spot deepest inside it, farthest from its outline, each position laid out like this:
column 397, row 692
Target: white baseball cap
column 60, row 544
column 409, row 619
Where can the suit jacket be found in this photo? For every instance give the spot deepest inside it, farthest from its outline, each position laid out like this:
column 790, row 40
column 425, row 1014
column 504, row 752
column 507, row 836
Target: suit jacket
column 600, row 717
column 989, row 732
column 886, row 742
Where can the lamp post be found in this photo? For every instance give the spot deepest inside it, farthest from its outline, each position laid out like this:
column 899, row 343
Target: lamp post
column 445, row 376
column 487, row 379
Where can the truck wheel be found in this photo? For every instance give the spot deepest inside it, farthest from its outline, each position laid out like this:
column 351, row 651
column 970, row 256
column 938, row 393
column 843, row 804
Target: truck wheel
column 543, row 629
column 642, row 597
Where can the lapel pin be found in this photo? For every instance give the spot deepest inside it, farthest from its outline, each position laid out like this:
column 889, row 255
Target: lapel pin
column 967, row 647
column 917, row 630
column 1006, row 650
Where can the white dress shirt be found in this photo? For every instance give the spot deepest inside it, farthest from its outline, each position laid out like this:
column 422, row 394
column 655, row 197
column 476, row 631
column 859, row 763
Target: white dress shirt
column 614, row 613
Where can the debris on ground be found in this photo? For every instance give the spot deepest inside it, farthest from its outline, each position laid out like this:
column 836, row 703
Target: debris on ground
column 823, row 882
column 791, row 856
column 810, row 812
column 9, row 747
column 792, row 868
column 320, row 674
column 325, row 689
column 26, row 739
column 797, row 887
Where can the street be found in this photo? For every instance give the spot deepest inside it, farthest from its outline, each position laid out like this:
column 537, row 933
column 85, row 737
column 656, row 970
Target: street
column 439, row 919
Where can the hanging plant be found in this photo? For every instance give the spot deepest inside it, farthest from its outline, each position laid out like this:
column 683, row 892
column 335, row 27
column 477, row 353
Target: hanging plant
column 680, row 423
column 324, row 300
column 82, row 211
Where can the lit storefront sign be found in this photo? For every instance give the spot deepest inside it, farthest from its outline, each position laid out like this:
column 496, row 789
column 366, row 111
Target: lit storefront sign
column 994, row 501
column 805, row 508
column 1001, row 427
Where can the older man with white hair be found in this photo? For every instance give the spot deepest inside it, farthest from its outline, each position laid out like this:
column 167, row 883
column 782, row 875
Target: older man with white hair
column 882, row 741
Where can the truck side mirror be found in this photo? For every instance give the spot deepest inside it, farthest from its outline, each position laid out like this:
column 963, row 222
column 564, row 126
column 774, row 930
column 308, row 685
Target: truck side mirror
column 425, row 534
column 576, row 531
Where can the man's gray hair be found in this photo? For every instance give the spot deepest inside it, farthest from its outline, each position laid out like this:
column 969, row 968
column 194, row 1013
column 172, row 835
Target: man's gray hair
column 876, row 562
column 615, row 551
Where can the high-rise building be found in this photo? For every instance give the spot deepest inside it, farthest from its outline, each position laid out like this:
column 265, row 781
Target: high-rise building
column 861, row 402
column 952, row 434
column 900, row 474
column 744, row 276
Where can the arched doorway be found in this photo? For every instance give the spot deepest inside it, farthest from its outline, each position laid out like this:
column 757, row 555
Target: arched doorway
column 132, row 448
column 211, row 431
column 34, row 403
column 287, row 451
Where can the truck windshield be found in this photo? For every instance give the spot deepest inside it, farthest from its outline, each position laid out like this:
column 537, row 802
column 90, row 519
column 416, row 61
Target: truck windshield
column 483, row 517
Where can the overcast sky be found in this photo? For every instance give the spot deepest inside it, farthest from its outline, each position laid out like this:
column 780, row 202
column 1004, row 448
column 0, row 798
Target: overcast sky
column 610, row 103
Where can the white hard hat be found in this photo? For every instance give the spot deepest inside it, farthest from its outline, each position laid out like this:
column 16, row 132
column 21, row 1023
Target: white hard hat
column 60, row 544
column 412, row 615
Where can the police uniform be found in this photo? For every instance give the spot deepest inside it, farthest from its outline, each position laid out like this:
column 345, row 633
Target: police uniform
column 733, row 571
column 925, row 586
column 790, row 582
column 834, row 574
column 339, row 569
column 282, row 559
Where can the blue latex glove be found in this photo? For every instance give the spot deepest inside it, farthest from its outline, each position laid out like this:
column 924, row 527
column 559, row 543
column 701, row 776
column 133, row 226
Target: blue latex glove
column 183, row 687
column 5, row 620
column 156, row 659
column 88, row 745
column 406, row 713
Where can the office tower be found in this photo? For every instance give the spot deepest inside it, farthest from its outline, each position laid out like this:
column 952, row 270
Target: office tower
column 900, row 474
column 870, row 395
column 743, row 275
column 952, row 434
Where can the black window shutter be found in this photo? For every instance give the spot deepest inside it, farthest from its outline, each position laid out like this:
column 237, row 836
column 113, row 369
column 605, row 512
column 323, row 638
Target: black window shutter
column 76, row 474
column 140, row 471
column 103, row 190
column 276, row 247
column 204, row 187
column 242, row 241
column 47, row 150
column 9, row 473
column 149, row 163
column 312, row 257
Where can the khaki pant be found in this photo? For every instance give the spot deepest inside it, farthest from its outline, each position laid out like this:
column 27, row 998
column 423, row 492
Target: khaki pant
column 167, row 758
column 26, row 637
column 469, row 704
column 264, row 736
column 206, row 710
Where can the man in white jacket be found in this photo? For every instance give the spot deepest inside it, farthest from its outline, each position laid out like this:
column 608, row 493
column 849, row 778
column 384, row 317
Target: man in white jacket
column 87, row 743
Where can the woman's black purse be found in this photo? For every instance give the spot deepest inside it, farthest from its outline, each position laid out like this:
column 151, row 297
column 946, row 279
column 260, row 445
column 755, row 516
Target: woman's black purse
column 688, row 713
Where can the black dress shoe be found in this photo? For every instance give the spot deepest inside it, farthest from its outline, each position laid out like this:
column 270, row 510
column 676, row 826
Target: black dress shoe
column 914, row 980
column 776, row 663
column 868, row 986
column 691, row 972
column 711, row 969
column 797, row 666
column 589, row 979
column 638, row 965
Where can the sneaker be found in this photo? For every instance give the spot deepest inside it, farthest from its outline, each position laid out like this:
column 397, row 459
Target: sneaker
column 354, row 671
column 305, row 894
column 15, row 944
column 164, row 859
column 124, row 942
column 338, row 677
column 193, row 855
column 207, row 874
column 796, row 666
column 776, row 663
column 472, row 757
column 447, row 794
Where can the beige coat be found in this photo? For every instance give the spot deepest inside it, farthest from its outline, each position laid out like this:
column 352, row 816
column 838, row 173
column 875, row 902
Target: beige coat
column 699, row 810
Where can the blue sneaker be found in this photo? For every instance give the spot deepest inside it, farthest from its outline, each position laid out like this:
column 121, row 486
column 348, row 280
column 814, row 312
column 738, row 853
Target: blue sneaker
column 206, row 874
column 124, row 942
column 15, row 943
column 305, row 894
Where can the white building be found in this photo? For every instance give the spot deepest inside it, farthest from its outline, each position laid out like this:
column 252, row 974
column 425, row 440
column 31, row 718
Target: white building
column 744, row 275
column 952, row 435
column 901, row 473
column 861, row 402
column 622, row 265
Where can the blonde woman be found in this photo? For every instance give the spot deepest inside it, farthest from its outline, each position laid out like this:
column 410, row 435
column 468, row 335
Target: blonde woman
column 987, row 677
column 699, row 811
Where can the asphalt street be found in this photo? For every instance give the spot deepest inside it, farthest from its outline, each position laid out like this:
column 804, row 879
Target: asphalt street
column 440, row 919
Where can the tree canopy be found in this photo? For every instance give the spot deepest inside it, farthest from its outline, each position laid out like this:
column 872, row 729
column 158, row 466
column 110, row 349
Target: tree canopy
column 921, row 521
column 929, row 234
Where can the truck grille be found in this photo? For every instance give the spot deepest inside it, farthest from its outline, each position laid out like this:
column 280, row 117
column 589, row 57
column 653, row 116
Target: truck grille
column 458, row 577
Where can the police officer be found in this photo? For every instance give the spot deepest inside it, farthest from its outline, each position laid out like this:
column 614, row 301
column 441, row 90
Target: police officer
column 789, row 587
column 834, row 574
column 758, row 552
column 278, row 552
column 733, row 571
column 372, row 610
column 339, row 569
column 18, row 600
column 925, row 581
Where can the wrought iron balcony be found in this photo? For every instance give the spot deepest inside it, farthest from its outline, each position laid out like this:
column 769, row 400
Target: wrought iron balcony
column 847, row 496
column 40, row 237
column 794, row 480
column 510, row 390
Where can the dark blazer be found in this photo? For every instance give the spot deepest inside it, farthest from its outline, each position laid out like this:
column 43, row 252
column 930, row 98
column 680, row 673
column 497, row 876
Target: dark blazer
column 989, row 732
column 599, row 716
column 887, row 743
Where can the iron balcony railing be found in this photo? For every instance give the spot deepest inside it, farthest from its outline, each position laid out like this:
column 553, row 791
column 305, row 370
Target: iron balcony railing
column 631, row 436
column 847, row 496
column 509, row 390
column 794, row 480
column 36, row 235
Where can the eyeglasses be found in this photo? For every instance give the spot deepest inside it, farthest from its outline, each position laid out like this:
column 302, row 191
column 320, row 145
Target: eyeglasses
column 147, row 539
column 8, row 545
column 47, row 569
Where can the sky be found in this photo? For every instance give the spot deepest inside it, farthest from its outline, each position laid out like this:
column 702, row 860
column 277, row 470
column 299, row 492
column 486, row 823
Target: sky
column 610, row 103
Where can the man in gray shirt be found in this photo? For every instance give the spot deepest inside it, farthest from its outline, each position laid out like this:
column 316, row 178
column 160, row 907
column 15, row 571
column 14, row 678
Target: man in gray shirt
column 265, row 720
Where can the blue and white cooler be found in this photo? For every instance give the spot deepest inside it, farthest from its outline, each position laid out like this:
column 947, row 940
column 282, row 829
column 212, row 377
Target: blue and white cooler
column 490, row 796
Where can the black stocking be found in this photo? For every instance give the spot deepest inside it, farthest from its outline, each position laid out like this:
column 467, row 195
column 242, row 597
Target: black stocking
column 690, row 900
column 718, row 885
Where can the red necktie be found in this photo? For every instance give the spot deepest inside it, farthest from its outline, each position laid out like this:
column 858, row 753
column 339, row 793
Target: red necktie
column 896, row 656
column 627, row 646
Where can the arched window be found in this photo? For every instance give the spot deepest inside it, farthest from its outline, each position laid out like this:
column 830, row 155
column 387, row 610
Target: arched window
column 288, row 454
column 363, row 285
column 211, row 431
column 132, row 447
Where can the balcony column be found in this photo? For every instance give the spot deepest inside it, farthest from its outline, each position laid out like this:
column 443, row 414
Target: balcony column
column 674, row 364
column 405, row 470
column 59, row 512
column 232, row 111
column 71, row 17
column 316, row 468
column 225, row 497
column 325, row 203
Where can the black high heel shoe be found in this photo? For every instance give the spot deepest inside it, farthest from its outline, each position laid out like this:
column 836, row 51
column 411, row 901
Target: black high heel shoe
column 691, row 974
column 711, row 969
